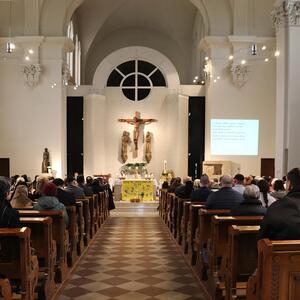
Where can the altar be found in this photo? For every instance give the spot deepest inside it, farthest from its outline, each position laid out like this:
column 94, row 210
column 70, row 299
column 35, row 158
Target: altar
column 136, row 189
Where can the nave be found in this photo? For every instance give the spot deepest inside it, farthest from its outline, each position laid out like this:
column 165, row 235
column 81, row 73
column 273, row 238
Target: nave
column 133, row 257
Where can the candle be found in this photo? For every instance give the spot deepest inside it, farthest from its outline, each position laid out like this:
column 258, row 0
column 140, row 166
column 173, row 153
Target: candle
column 165, row 166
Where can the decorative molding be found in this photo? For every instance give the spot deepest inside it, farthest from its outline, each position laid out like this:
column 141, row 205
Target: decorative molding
column 286, row 14
column 239, row 74
column 32, row 74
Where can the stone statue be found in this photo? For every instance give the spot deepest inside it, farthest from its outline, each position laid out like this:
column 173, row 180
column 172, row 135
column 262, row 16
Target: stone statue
column 136, row 121
column 46, row 161
column 148, row 152
column 125, row 142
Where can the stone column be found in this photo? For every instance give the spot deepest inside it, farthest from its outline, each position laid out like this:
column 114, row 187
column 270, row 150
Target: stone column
column 286, row 19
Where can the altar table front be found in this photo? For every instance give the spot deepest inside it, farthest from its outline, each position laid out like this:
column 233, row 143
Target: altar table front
column 138, row 189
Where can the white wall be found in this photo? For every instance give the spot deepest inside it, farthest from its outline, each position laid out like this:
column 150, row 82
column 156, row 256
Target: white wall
column 103, row 132
column 255, row 100
column 32, row 119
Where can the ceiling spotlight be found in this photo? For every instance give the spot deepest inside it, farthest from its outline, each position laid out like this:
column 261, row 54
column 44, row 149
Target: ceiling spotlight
column 27, row 58
column 206, row 58
column 218, row 77
column 196, row 77
column 194, row 80
column 202, row 82
column 254, row 49
column 230, row 57
column 277, row 53
column 215, row 80
column 266, row 59
column 263, row 47
column 30, row 51
column 243, row 62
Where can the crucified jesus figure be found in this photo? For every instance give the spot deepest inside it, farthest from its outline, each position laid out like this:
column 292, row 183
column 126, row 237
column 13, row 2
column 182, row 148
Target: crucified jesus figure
column 136, row 121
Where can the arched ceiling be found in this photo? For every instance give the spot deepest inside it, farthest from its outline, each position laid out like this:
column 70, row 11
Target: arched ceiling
column 166, row 25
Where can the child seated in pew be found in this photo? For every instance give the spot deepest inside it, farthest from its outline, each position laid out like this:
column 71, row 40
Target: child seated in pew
column 48, row 200
column 9, row 217
column 251, row 206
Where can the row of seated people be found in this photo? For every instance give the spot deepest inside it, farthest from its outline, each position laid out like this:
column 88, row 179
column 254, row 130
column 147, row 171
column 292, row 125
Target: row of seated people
column 231, row 234
column 271, row 189
column 40, row 244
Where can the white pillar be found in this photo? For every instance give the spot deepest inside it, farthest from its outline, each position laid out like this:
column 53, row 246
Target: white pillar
column 286, row 20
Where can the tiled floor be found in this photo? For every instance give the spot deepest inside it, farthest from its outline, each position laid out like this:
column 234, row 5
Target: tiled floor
column 133, row 258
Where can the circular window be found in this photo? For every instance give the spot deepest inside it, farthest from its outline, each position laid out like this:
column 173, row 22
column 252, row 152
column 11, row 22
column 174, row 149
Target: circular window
column 136, row 79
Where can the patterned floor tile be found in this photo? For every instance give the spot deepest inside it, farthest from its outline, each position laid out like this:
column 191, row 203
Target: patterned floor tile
column 133, row 257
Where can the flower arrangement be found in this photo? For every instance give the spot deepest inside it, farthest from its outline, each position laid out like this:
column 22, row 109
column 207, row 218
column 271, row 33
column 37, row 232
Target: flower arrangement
column 133, row 168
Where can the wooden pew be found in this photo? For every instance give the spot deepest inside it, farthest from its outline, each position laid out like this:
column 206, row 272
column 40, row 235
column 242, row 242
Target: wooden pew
column 87, row 220
column 72, row 236
column 217, row 248
column 201, row 238
column 179, row 228
column 162, row 203
column 185, row 223
column 5, row 290
column 60, row 235
column 278, row 273
column 191, row 231
column 92, row 216
column 241, row 259
column 45, row 247
column 16, row 261
column 80, row 225
column 174, row 216
column 170, row 209
column 102, row 207
column 97, row 212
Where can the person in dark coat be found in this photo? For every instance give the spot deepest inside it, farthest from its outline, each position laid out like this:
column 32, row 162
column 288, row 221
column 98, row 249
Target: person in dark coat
column 225, row 197
column 88, row 191
column 97, row 188
column 9, row 217
column 203, row 192
column 282, row 220
column 184, row 191
column 251, row 206
column 63, row 196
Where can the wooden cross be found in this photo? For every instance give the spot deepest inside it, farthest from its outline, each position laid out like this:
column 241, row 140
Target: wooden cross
column 136, row 121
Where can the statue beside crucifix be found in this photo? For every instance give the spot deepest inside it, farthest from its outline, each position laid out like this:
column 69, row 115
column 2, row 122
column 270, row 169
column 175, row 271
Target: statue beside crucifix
column 136, row 121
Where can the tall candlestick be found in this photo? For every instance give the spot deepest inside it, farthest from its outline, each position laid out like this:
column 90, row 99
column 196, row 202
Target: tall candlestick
column 165, row 166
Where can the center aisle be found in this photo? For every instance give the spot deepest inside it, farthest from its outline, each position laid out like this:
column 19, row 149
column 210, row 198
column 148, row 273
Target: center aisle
column 133, row 258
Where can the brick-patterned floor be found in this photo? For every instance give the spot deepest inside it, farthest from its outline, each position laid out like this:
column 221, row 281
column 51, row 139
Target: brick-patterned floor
column 133, row 258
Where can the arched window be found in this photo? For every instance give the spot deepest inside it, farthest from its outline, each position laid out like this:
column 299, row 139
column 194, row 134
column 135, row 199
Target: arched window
column 70, row 59
column 136, row 78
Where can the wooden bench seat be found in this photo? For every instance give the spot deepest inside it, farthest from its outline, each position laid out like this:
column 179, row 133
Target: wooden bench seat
column 87, row 219
column 60, row 235
column 278, row 273
column 191, row 231
column 218, row 246
column 45, row 247
column 241, row 259
column 179, row 228
column 16, row 261
column 201, row 238
column 73, row 235
column 80, row 225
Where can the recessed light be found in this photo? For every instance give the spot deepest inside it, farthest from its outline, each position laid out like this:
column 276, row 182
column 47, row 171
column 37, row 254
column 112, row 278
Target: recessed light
column 264, row 47
column 30, row 51
column 27, row 58
column 277, row 53
column 266, row 59
column 206, row 58
column 230, row 57
column 243, row 62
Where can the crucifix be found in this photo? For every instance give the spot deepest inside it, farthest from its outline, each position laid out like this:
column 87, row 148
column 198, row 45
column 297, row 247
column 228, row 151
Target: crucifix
column 136, row 121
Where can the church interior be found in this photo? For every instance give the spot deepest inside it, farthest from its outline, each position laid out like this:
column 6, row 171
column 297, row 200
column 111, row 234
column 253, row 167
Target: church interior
column 145, row 148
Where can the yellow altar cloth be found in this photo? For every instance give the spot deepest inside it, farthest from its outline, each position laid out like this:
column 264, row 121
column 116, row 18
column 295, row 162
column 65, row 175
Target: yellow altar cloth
column 137, row 189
